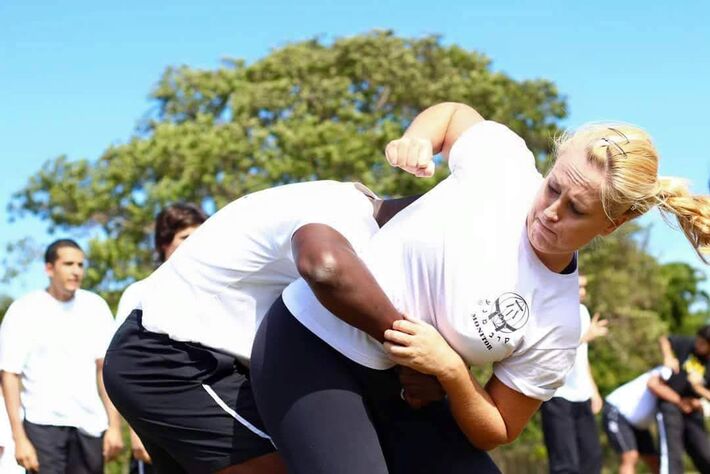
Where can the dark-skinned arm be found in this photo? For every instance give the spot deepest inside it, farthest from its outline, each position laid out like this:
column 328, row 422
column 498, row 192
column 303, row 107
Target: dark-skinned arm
column 341, row 281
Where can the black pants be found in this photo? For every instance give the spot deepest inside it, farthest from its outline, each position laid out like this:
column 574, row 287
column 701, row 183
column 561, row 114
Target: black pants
column 678, row 431
column 192, row 406
column 328, row 414
column 65, row 450
column 571, row 436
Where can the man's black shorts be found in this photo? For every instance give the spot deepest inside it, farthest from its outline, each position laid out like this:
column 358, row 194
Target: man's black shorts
column 191, row 405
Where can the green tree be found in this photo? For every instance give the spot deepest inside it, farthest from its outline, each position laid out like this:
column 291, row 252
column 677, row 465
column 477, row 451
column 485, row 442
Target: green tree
column 308, row 110
column 5, row 302
column 682, row 293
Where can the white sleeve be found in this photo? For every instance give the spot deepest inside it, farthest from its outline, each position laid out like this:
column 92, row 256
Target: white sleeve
column 15, row 343
column 350, row 215
column 585, row 320
column 106, row 327
column 130, row 300
column 536, row 373
column 491, row 152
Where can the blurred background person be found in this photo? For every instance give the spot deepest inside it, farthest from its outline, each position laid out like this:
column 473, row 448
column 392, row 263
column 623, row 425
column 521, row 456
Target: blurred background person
column 52, row 344
column 173, row 225
column 568, row 424
column 681, row 425
column 629, row 412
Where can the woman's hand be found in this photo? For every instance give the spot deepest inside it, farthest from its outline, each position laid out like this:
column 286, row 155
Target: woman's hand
column 415, row 344
column 414, row 155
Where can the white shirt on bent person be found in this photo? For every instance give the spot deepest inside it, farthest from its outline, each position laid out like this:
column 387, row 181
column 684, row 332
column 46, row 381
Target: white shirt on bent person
column 635, row 401
column 578, row 385
column 54, row 346
column 130, row 300
column 220, row 282
column 459, row 258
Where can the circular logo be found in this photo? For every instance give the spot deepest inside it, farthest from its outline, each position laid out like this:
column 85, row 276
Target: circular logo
column 509, row 313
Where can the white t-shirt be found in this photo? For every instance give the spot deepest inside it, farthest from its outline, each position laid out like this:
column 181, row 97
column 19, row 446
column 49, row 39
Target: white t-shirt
column 578, row 386
column 130, row 300
column 220, row 282
column 635, row 401
column 459, row 258
column 54, row 345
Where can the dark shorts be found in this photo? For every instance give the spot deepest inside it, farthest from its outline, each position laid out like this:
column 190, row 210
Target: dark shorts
column 623, row 436
column 192, row 406
column 62, row 449
column 328, row 414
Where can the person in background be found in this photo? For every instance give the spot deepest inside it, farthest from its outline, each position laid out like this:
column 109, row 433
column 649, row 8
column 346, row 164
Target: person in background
column 52, row 345
column 681, row 425
column 8, row 464
column 630, row 411
column 173, row 225
column 568, row 424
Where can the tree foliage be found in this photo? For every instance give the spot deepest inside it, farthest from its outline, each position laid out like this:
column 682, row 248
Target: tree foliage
column 306, row 111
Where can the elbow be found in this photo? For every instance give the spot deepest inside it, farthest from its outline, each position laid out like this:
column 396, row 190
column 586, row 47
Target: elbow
column 320, row 268
column 492, row 441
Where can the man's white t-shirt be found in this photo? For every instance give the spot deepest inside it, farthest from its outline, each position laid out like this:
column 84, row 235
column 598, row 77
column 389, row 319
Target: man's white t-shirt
column 220, row 282
column 635, row 401
column 54, row 346
column 578, row 385
column 459, row 258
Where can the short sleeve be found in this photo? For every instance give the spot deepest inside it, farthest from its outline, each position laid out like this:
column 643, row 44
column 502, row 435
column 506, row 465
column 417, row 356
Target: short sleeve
column 536, row 373
column 130, row 300
column 585, row 321
column 15, row 342
column 491, row 152
column 348, row 211
column 105, row 325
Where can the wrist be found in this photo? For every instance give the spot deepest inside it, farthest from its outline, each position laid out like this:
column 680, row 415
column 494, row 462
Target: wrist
column 451, row 371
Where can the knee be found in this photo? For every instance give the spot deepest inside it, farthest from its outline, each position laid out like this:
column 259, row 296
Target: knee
column 629, row 458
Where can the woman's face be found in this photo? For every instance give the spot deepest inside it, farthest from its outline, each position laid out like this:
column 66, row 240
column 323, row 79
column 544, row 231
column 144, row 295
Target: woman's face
column 178, row 239
column 567, row 212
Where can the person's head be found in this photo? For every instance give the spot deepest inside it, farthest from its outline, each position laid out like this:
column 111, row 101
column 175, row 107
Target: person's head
column 582, row 288
column 64, row 265
column 605, row 175
column 173, row 225
column 702, row 342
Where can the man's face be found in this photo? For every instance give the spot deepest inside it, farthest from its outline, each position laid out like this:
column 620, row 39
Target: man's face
column 702, row 347
column 66, row 272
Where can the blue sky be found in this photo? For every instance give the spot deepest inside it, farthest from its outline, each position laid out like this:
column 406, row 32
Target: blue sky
column 75, row 75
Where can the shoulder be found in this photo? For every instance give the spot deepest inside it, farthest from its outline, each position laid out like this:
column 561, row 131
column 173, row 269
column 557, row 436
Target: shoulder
column 91, row 299
column 29, row 301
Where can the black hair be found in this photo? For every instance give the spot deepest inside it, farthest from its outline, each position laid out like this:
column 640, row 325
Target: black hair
column 704, row 332
column 52, row 253
column 172, row 220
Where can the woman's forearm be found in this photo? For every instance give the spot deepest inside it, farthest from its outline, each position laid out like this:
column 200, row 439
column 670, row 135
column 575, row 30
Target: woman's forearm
column 474, row 409
column 442, row 124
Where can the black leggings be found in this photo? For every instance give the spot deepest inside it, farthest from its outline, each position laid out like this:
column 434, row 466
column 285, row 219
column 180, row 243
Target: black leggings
column 326, row 413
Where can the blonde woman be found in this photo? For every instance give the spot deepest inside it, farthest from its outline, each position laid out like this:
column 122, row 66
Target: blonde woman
column 484, row 268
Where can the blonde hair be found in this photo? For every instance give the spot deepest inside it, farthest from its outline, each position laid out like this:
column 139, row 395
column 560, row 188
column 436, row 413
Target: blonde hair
column 632, row 186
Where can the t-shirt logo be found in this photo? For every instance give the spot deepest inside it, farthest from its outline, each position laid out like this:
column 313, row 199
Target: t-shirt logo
column 496, row 318
column 509, row 313
column 693, row 366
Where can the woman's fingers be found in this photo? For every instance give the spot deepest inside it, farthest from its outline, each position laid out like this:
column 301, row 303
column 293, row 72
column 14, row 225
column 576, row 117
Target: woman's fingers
column 405, row 325
column 398, row 337
column 395, row 349
column 412, row 154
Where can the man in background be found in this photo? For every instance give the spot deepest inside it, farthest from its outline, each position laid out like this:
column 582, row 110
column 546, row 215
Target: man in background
column 568, row 424
column 681, row 425
column 52, row 345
